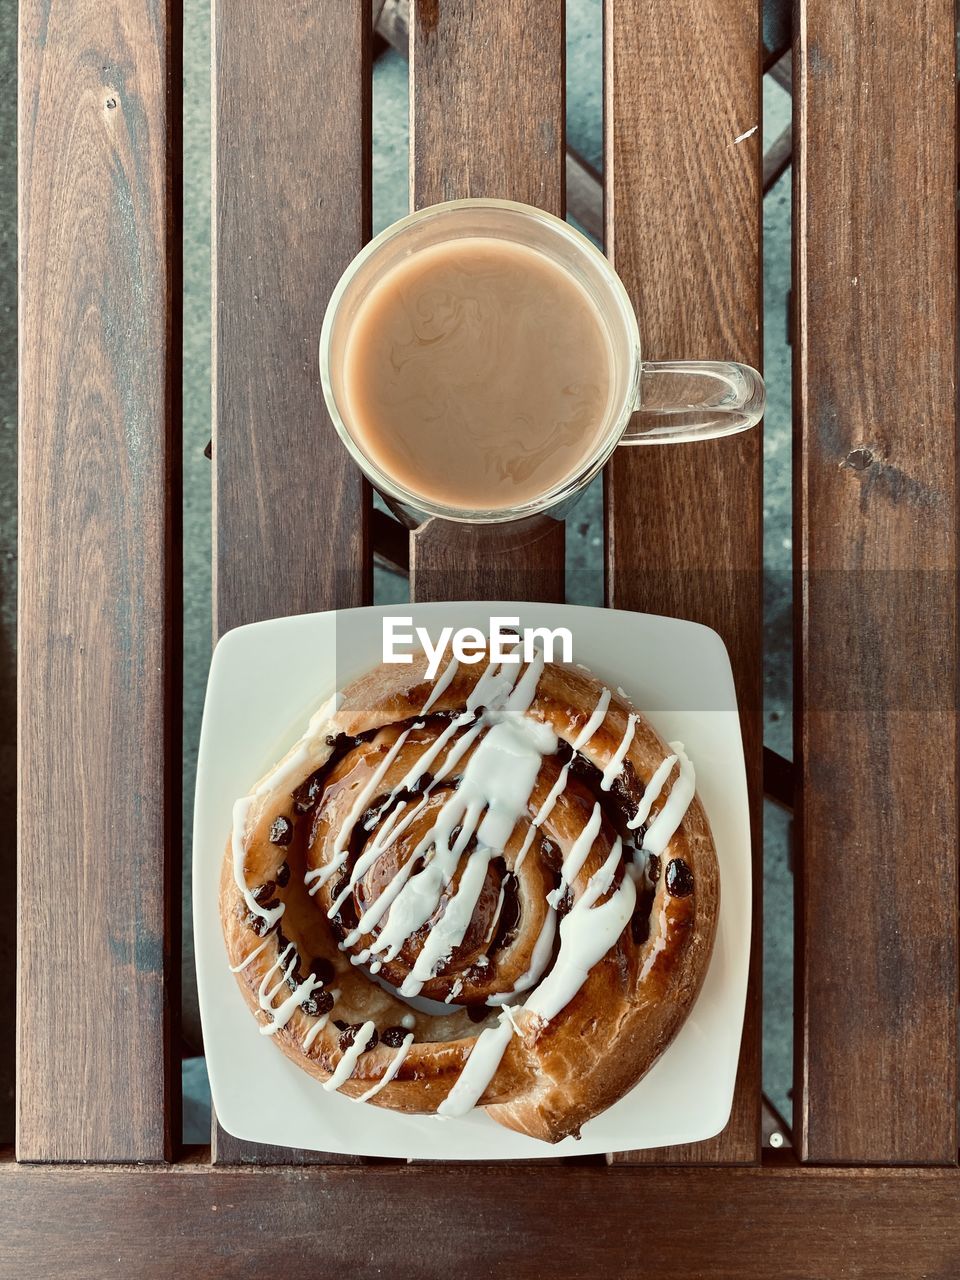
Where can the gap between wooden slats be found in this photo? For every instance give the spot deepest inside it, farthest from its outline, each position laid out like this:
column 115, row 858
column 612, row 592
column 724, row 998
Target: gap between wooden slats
column 684, row 523
column 291, row 208
column 480, row 130
column 875, row 477
column 99, row 719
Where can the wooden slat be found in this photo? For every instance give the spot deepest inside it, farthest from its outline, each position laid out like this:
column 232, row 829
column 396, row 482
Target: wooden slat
column 584, row 191
column 683, row 230
column 227, row 1150
column 487, row 119
column 525, row 1222
column 506, row 562
column 291, row 208
column 875, row 478
column 584, row 185
column 99, row 642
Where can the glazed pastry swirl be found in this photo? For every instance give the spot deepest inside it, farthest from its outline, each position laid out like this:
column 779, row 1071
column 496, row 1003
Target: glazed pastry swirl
column 512, row 843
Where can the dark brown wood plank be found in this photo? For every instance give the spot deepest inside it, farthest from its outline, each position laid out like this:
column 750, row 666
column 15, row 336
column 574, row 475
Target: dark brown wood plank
column 875, row 474
column 522, row 1221
column 522, row 561
column 99, row 729
column 487, row 119
column 8, row 577
column 584, row 185
column 584, row 190
column 683, row 230
column 227, row 1150
column 291, row 208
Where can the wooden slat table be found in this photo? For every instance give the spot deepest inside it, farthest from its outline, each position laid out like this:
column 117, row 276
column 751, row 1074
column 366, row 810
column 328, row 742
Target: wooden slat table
column 693, row 269
column 876, row 536
column 475, row 132
column 876, row 398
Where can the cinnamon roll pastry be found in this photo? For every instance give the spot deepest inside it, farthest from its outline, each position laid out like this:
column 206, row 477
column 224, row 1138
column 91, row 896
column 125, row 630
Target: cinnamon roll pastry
column 494, row 889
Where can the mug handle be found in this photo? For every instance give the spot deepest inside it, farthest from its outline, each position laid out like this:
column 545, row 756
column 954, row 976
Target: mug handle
column 682, row 400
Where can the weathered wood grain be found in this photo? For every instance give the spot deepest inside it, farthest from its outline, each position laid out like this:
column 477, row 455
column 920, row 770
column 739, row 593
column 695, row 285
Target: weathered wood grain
column 99, row 641
column 478, row 131
column 876, row 509
column 522, row 561
column 414, row 1223
column 584, row 186
column 291, row 208
column 228, row 1150
column 684, row 524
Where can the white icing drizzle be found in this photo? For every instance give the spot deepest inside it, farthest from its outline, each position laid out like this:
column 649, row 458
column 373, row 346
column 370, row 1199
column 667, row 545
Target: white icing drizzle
column 579, row 742
column 663, row 828
column 315, row 1030
column 493, row 792
column 241, row 811
column 409, row 1021
column 320, row 875
column 493, row 686
column 395, row 1064
column 441, row 685
column 377, row 909
column 348, row 1063
column 478, row 1070
column 321, row 1022
column 612, row 770
column 523, row 695
column 595, row 721
column 579, row 852
column 282, row 1013
column 392, row 830
column 266, row 997
column 237, row 968
column 587, row 933
column 651, row 793
column 542, row 951
column 496, row 784
column 511, row 1017
column 495, row 920
column 289, row 769
column 391, row 818
column 426, row 759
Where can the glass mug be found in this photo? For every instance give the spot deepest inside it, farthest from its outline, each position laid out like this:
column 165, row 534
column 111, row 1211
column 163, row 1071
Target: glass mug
column 669, row 402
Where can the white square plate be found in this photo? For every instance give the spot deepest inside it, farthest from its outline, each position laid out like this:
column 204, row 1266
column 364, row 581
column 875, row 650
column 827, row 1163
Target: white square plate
column 267, row 678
